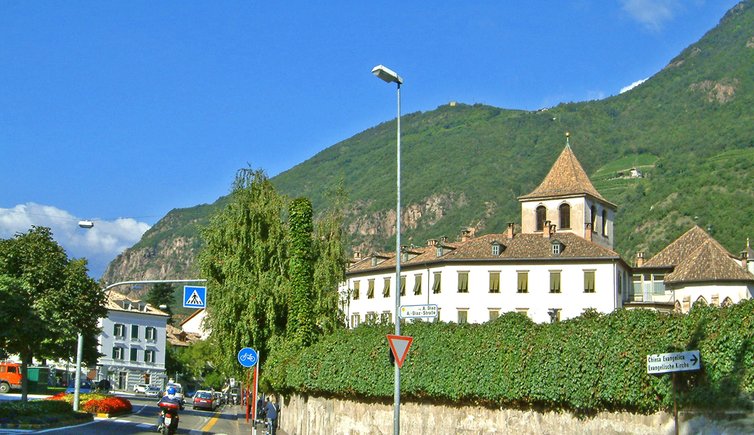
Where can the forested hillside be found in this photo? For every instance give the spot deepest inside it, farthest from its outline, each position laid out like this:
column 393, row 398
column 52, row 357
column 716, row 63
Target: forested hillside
column 689, row 129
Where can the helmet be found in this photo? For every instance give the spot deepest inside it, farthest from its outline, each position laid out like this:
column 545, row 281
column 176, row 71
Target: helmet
column 171, row 391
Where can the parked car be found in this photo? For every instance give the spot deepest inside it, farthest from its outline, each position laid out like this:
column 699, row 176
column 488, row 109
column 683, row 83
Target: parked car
column 205, row 400
column 140, row 388
column 153, row 391
column 84, row 387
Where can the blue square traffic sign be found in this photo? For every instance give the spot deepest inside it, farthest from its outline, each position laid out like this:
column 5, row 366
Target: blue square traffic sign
column 194, row 297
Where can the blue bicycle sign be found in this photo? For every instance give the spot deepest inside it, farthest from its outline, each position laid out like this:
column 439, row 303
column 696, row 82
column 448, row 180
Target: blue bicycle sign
column 247, row 357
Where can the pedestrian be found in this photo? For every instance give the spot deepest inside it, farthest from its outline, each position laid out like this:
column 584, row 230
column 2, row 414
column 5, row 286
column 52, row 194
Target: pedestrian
column 271, row 411
column 260, row 407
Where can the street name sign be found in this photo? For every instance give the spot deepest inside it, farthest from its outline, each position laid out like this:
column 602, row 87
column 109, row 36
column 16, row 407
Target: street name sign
column 673, row 362
column 247, row 357
column 194, row 297
column 399, row 344
column 418, row 311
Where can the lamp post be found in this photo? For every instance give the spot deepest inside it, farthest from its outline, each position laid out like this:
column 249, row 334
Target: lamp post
column 390, row 76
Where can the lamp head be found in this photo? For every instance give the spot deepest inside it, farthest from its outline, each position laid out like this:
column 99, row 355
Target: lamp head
column 387, row 74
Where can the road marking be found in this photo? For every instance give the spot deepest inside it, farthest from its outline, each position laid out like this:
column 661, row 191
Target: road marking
column 211, row 422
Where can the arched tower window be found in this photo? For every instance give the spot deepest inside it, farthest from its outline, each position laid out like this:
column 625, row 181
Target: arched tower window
column 604, row 222
column 565, row 216
column 593, row 217
column 541, row 217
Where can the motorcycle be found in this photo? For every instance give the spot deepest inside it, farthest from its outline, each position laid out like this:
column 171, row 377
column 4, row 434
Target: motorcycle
column 169, row 413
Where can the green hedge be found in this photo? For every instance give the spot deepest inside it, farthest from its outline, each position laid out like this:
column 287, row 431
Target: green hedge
column 584, row 365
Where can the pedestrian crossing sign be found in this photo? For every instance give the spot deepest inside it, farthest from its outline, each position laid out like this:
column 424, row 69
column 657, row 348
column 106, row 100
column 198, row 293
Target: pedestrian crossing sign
column 194, row 297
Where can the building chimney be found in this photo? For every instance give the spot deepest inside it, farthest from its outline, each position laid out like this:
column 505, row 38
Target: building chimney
column 511, row 230
column 357, row 255
column 639, row 259
column 588, row 231
column 553, row 229
column 443, row 239
column 745, row 260
column 546, row 230
column 431, row 242
column 467, row 234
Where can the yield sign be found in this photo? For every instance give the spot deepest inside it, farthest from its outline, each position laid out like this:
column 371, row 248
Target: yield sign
column 399, row 344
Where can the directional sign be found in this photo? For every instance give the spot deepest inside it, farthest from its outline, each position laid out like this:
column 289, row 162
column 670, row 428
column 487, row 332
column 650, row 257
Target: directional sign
column 247, row 357
column 194, row 297
column 399, row 345
column 673, row 362
column 418, row 311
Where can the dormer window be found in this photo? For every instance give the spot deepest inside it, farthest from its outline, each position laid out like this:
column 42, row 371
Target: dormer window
column 495, row 249
column 374, row 261
column 439, row 251
column 557, row 247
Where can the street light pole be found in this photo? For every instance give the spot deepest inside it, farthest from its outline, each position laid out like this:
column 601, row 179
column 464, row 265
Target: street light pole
column 390, row 76
column 77, row 378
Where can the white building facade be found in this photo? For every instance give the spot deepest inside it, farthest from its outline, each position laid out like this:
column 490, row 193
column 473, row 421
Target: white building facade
column 133, row 342
column 558, row 266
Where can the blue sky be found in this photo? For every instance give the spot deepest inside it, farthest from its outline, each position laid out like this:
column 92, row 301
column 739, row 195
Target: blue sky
column 119, row 112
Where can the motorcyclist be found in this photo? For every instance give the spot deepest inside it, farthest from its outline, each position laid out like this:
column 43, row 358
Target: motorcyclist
column 170, row 397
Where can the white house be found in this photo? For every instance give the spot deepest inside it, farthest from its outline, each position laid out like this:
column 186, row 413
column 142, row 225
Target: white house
column 195, row 324
column 558, row 266
column 133, row 342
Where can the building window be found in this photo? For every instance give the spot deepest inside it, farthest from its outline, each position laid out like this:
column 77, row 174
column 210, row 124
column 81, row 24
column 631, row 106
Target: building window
column 403, row 285
column 556, row 247
column 463, row 282
column 418, row 284
column 370, row 318
column 118, row 353
column 134, row 354
column 588, row 281
column 134, row 332
column 494, row 314
column 524, row 311
column 119, row 330
column 494, row 282
column 554, row 281
column 438, row 251
column 386, row 288
column 355, row 320
column 554, row 314
column 523, row 282
column 604, row 222
column 593, row 216
column 149, row 356
column 436, row 285
column 386, row 317
column 495, row 249
column 370, row 290
column 151, row 334
column 356, row 289
column 565, row 216
column 463, row 316
column 541, row 217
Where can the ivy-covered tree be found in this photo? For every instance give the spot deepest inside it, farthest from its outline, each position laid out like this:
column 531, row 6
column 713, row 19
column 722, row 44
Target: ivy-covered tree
column 54, row 297
column 245, row 263
column 301, row 269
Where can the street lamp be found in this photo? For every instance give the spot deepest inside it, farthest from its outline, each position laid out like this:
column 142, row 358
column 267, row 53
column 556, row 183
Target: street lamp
column 390, row 76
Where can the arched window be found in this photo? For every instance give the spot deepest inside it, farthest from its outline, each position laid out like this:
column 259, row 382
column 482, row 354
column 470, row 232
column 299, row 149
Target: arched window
column 565, row 216
column 727, row 302
column 593, row 217
column 700, row 301
column 541, row 217
column 604, row 222
column 677, row 308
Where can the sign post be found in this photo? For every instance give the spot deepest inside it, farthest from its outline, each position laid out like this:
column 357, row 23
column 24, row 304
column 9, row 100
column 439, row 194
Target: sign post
column 248, row 358
column 671, row 363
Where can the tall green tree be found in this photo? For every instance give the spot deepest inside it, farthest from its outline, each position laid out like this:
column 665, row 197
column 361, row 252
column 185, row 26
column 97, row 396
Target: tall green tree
column 54, row 296
column 301, row 270
column 245, row 263
column 162, row 294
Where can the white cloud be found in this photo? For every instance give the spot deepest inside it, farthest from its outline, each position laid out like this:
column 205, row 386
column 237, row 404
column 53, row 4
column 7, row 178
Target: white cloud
column 652, row 13
column 632, row 85
column 100, row 244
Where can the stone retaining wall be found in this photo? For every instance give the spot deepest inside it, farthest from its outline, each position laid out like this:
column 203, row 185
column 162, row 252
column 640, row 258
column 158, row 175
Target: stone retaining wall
column 317, row 416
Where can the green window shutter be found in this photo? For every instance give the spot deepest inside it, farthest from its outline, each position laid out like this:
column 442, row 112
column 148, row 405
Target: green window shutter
column 386, row 288
column 554, row 282
column 370, row 291
column 436, row 287
column 463, row 282
column 523, row 282
column 356, row 289
column 403, row 285
column 417, row 284
column 494, row 282
column 589, row 281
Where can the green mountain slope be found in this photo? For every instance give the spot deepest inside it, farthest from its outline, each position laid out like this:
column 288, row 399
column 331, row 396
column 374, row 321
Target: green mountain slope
column 689, row 128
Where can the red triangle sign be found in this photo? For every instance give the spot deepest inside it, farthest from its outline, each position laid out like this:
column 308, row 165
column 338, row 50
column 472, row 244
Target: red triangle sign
column 399, row 344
